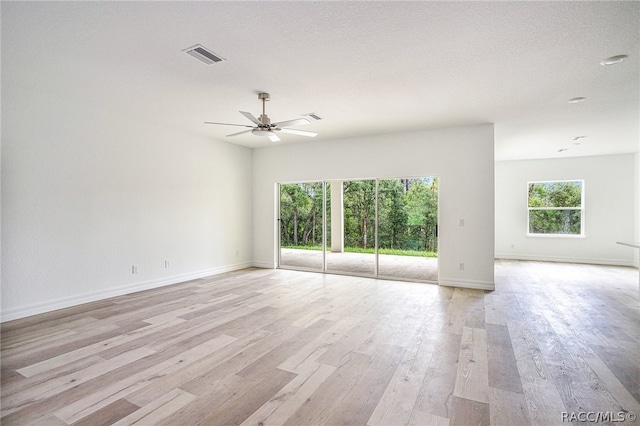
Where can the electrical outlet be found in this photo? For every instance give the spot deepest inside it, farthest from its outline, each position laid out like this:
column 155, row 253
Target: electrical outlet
column 461, row 222
column 134, row 269
column 166, row 264
column 461, row 266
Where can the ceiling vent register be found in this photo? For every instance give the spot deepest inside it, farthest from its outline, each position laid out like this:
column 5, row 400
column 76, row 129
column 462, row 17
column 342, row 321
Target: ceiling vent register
column 202, row 53
column 313, row 116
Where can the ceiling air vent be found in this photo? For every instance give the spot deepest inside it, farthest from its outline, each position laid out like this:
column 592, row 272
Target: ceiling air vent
column 312, row 115
column 203, row 54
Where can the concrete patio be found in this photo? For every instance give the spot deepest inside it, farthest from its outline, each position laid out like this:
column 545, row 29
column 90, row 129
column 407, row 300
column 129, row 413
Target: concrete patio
column 412, row 268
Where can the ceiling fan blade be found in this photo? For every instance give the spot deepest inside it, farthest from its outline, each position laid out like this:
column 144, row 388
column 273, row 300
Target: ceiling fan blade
column 273, row 137
column 299, row 132
column 250, row 117
column 239, row 133
column 228, row 124
column 295, row 122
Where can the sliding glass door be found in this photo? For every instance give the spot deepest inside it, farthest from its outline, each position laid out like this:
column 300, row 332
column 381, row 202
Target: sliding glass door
column 301, row 226
column 352, row 216
column 375, row 227
column 408, row 229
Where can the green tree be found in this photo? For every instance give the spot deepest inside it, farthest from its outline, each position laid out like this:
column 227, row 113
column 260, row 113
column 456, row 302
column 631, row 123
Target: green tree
column 421, row 202
column 359, row 213
column 407, row 213
column 312, row 234
column 392, row 214
column 301, row 213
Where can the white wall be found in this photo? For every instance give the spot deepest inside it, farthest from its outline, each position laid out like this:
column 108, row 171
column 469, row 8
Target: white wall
column 462, row 157
column 609, row 209
column 87, row 193
column 636, row 238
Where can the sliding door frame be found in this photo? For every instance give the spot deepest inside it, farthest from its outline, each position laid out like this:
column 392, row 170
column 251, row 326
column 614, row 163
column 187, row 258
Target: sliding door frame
column 325, row 185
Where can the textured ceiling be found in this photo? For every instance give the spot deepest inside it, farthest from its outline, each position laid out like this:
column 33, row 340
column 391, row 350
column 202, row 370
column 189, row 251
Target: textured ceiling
column 364, row 67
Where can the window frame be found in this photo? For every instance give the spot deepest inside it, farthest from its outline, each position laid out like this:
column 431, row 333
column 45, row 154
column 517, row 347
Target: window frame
column 582, row 233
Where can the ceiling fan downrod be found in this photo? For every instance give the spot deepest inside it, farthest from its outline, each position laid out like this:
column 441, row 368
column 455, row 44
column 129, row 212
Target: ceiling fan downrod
column 264, row 119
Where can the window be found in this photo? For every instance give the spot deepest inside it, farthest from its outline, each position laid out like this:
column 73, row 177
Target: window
column 556, row 208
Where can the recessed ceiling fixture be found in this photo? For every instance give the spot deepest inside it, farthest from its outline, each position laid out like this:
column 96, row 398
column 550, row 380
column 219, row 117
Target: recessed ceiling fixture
column 563, row 149
column 613, row 60
column 202, row 53
column 577, row 100
column 577, row 138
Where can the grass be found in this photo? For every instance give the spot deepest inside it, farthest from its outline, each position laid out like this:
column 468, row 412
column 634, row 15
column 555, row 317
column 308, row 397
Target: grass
column 395, row 252
column 317, row 248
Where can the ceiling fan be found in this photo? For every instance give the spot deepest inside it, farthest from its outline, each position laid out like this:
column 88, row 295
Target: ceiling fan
column 264, row 127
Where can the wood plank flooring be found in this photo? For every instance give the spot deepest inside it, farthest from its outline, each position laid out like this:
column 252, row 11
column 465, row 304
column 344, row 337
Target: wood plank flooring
column 261, row 347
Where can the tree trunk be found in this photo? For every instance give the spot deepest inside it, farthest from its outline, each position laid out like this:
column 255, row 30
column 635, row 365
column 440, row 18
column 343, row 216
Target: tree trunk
column 364, row 230
column 425, row 237
column 313, row 228
column 295, row 227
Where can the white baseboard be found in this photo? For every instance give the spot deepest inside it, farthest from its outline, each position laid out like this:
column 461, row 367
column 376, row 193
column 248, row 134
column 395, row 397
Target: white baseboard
column 564, row 259
column 66, row 302
column 465, row 283
column 265, row 265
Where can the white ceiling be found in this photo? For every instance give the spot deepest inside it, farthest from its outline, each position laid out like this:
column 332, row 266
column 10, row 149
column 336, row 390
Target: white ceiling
column 364, row 67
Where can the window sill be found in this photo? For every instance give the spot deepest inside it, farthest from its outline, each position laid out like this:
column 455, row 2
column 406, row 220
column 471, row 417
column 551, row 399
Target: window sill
column 569, row 236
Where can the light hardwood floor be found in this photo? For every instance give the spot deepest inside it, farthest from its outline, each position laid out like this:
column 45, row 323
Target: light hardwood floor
column 260, row 347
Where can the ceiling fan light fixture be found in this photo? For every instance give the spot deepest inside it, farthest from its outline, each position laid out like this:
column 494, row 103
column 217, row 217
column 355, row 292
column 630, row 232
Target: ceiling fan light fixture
column 262, row 132
column 613, row 60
